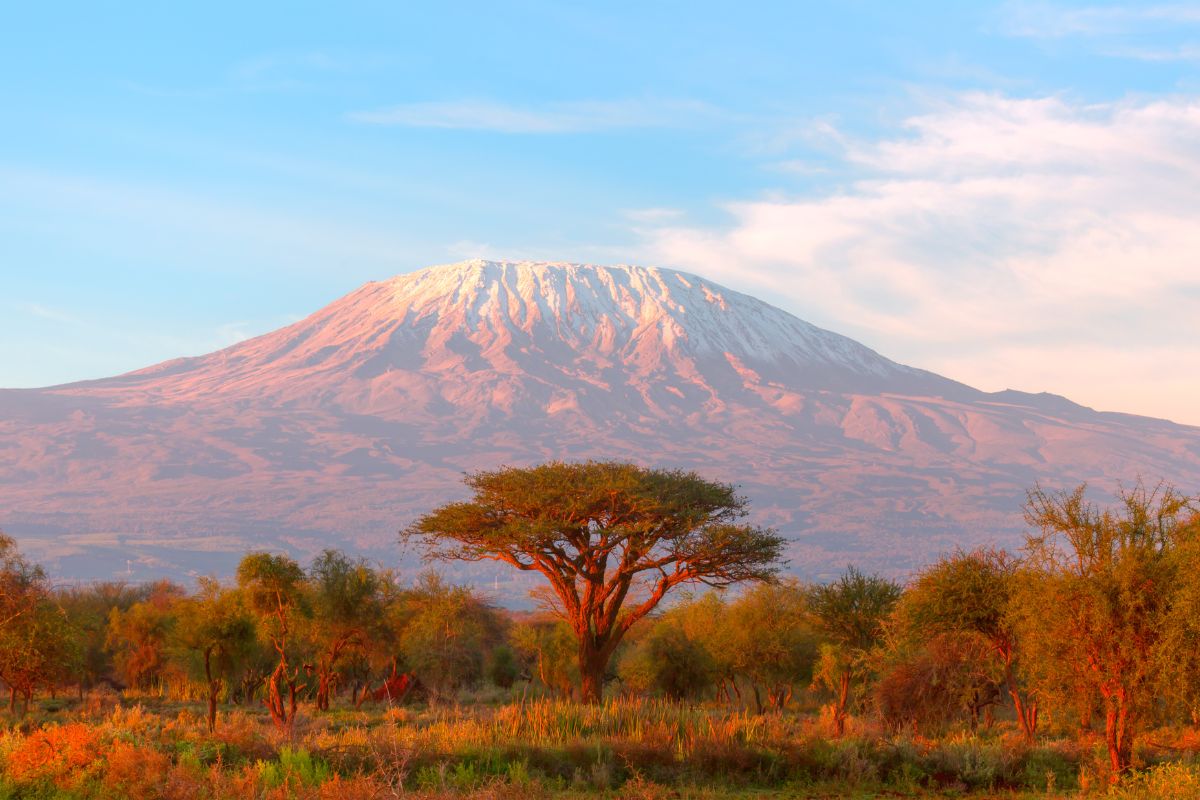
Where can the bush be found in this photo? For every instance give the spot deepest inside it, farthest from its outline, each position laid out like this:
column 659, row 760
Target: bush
column 295, row 768
column 63, row 755
column 668, row 662
column 1161, row 782
column 502, row 668
column 974, row 762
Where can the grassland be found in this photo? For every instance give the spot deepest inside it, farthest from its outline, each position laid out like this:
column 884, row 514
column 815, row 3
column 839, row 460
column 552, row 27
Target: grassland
column 136, row 748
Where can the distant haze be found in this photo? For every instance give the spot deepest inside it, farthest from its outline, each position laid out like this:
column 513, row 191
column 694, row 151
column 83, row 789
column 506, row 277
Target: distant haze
column 337, row 430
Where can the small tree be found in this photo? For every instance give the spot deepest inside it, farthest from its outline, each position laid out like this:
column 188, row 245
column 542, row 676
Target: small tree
column 22, row 584
column 928, row 679
column 347, row 613
column 850, row 613
column 970, row 594
column 601, row 533
column 37, row 644
column 88, row 609
column 769, row 640
column 138, row 637
column 1109, row 580
column 446, row 632
column 215, row 625
column 665, row 659
column 273, row 587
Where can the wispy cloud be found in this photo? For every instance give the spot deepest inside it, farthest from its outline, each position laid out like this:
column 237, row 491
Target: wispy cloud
column 1155, row 33
column 572, row 117
column 1053, row 21
column 998, row 240
column 653, row 216
column 1183, row 52
column 47, row 312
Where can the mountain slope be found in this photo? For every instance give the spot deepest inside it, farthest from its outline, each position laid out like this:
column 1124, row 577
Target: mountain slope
column 340, row 428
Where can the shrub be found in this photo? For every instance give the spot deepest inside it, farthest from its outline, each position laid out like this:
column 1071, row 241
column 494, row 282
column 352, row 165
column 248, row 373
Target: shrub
column 65, row 755
column 1161, row 782
column 974, row 762
column 134, row 772
column 295, row 768
column 502, row 668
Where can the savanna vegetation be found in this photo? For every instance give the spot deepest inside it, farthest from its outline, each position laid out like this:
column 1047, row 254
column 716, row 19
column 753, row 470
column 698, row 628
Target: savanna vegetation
column 667, row 658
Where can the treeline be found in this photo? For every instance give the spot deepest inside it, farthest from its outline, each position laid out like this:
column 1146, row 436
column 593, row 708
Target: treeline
column 1095, row 626
column 281, row 635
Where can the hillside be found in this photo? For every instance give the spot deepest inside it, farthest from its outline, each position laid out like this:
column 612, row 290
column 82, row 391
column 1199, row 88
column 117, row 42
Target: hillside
column 338, row 429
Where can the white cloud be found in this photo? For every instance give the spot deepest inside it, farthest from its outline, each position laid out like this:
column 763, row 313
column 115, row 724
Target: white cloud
column 573, row 117
column 1038, row 244
column 651, row 216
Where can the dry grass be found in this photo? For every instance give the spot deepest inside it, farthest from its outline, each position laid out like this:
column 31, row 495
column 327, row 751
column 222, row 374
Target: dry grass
column 623, row 748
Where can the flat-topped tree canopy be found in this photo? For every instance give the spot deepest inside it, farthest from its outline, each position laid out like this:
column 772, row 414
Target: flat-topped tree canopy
column 599, row 530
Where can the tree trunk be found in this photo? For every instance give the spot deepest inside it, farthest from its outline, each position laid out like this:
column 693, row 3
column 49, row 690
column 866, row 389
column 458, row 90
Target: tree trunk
column 1118, row 734
column 214, row 688
column 212, row 706
column 1086, row 710
column 274, row 700
column 294, row 692
column 1025, row 708
column 840, row 705
column 593, row 662
column 323, row 685
column 12, row 700
column 591, row 674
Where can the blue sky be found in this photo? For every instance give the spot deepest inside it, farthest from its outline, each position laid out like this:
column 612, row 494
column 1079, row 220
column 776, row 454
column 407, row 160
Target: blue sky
column 1005, row 193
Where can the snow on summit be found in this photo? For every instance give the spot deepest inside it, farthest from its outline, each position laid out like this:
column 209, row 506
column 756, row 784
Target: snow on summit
column 536, row 328
column 339, row 429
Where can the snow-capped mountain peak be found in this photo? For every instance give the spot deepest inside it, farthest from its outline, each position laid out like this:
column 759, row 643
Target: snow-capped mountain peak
column 545, row 331
column 338, row 429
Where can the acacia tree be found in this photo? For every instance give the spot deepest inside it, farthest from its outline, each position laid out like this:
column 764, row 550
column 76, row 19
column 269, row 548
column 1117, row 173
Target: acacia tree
column 445, row 634
column 138, row 636
column 347, row 613
column 273, row 586
column 850, row 612
column 769, row 640
column 1109, row 581
column 36, row 642
column 604, row 535
column 216, row 625
column 88, row 609
column 970, row 594
column 22, row 584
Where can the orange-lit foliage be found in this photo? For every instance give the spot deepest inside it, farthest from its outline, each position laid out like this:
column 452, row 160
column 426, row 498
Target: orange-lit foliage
column 63, row 754
column 135, row 773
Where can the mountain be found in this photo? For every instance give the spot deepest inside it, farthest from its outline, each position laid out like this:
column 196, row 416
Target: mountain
column 339, row 429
